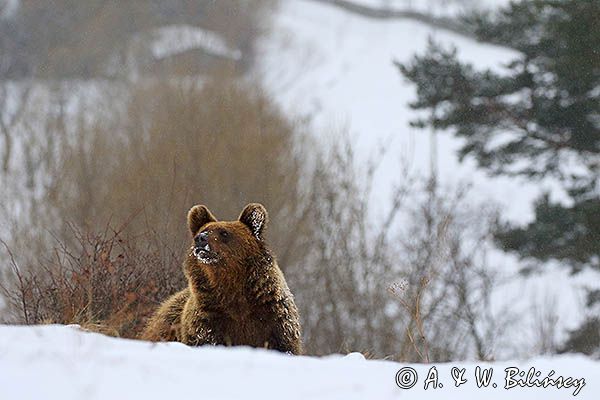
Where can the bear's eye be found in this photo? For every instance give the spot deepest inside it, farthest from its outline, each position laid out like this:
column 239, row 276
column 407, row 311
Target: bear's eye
column 224, row 234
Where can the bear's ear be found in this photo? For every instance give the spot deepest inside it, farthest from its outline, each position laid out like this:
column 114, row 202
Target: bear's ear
column 255, row 216
column 197, row 217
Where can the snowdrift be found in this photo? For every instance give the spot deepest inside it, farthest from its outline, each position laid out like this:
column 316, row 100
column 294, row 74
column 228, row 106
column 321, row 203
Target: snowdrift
column 58, row 362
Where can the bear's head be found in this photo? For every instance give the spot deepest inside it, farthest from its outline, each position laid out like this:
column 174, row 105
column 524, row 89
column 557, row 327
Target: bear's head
column 226, row 248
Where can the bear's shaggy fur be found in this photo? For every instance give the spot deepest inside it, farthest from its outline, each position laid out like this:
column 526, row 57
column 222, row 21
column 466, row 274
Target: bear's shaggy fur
column 236, row 293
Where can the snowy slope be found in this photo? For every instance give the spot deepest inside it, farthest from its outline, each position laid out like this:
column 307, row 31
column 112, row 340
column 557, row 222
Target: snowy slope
column 57, row 362
column 435, row 7
column 336, row 69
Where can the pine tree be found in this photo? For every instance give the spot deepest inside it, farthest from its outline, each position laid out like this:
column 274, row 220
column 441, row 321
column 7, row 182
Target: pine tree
column 540, row 119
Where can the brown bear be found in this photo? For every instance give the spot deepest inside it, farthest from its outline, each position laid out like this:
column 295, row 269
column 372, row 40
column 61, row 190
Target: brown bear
column 236, row 293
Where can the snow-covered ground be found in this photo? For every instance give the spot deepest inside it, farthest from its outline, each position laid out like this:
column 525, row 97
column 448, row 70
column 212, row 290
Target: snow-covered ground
column 336, row 69
column 58, row 362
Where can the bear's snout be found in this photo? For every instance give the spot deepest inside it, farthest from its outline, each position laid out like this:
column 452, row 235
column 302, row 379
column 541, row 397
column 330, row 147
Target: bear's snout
column 201, row 241
column 202, row 249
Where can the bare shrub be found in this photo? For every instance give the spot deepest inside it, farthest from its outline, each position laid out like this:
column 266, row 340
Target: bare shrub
column 108, row 282
column 412, row 286
column 221, row 144
column 544, row 324
column 448, row 279
column 339, row 284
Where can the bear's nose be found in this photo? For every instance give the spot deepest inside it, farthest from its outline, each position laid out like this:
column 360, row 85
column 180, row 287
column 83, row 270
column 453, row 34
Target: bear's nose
column 201, row 240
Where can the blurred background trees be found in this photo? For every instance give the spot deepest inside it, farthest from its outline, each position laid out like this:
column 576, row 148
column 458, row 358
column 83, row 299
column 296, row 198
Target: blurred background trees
column 91, row 39
column 539, row 119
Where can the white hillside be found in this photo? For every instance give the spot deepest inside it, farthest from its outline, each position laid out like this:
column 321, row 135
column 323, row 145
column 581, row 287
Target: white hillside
column 63, row 363
column 337, row 67
column 434, row 7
